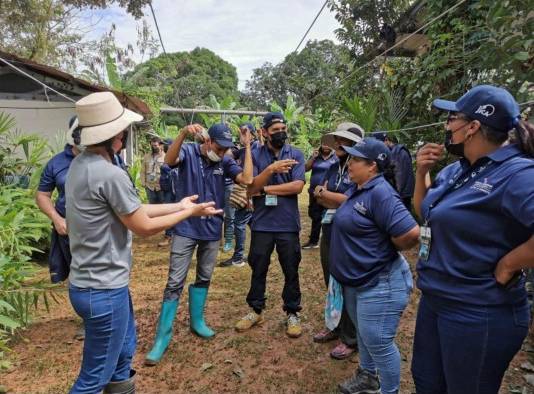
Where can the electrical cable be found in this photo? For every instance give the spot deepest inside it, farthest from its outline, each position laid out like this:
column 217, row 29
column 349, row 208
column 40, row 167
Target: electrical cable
column 157, row 27
column 309, row 28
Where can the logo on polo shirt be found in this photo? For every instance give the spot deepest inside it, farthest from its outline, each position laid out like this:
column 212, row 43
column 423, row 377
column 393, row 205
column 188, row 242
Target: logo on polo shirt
column 218, row 171
column 484, row 187
column 358, row 206
column 485, row 110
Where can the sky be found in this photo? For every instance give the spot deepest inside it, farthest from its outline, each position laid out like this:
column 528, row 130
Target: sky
column 246, row 33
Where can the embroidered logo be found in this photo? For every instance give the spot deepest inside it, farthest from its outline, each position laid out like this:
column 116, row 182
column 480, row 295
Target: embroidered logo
column 227, row 135
column 358, row 206
column 218, row 171
column 381, row 156
column 485, row 110
column 484, row 187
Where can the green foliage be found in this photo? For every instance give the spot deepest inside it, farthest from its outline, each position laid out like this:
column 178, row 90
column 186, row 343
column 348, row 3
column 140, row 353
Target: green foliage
column 184, row 79
column 362, row 111
column 302, row 76
column 22, row 227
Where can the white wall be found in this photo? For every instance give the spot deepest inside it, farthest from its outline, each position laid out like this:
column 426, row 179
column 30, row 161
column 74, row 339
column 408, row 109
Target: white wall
column 39, row 117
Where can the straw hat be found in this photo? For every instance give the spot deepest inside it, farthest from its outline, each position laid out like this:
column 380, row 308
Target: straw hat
column 342, row 130
column 101, row 117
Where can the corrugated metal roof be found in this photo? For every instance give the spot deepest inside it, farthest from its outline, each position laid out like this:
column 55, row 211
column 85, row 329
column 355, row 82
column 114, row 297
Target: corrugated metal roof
column 130, row 102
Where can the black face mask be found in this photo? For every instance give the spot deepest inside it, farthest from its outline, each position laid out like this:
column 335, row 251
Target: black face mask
column 454, row 149
column 278, row 140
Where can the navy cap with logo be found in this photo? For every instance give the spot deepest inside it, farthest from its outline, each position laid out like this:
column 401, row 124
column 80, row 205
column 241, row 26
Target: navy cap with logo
column 371, row 149
column 221, row 134
column 272, row 118
column 249, row 126
column 490, row 105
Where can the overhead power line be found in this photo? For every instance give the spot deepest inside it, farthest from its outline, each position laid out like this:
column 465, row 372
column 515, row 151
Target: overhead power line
column 157, row 27
column 309, row 28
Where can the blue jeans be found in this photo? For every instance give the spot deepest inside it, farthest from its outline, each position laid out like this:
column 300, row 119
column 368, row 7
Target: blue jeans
column 241, row 219
column 376, row 312
column 182, row 249
column 229, row 212
column 465, row 349
column 110, row 338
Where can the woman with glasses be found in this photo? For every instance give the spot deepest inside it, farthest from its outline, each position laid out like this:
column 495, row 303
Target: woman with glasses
column 478, row 221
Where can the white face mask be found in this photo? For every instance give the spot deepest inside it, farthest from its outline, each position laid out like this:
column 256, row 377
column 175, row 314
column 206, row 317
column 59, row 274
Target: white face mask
column 213, row 156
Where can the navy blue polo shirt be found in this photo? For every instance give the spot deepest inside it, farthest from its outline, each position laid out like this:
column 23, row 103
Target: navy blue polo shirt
column 360, row 244
column 54, row 176
column 404, row 176
column 195, row 174
column 477, row 214
column 338, row 182
column 165, row 178
column 285, row 216
column 319, row 168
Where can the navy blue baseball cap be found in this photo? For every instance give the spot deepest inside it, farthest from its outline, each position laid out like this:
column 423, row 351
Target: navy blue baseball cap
column 490, row 105
column 249, row 126
column 371, row 149
column 272, row 118
column 379, row 135
column 221, row 134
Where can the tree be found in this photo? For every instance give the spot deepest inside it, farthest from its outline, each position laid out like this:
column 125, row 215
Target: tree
column 184, row 79
column 303, row 76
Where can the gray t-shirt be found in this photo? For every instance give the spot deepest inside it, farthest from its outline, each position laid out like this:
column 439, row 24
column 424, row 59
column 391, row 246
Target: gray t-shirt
column 97, row 192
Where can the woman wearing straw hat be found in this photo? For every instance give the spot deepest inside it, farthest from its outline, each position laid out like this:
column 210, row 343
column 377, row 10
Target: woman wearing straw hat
column 102, row 208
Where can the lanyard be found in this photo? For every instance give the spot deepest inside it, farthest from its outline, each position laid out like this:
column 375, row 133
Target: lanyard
column 339, row 176
column 459, row 181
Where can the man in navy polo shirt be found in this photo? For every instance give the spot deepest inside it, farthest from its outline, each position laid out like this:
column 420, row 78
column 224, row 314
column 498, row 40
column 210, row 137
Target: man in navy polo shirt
column 278, row 180
column 401, row 158
column 200, row 170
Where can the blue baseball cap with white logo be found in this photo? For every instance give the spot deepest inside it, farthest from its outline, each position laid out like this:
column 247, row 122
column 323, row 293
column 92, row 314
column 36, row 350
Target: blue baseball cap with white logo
column 371, row 149
column 490, row 105
column 221, row 134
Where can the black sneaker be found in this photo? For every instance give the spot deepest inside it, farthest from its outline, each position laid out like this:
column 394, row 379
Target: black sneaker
column 362, row 382
column 226, row 263
column 310, row 245
column 239, row 263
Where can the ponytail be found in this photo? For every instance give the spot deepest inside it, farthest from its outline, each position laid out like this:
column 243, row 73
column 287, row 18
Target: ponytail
column 524, row 135
column 108, row 145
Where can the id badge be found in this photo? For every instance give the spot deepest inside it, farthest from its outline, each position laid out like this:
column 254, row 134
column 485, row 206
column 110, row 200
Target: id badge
column 328, row 216
column 425, row 239
column 271, row 200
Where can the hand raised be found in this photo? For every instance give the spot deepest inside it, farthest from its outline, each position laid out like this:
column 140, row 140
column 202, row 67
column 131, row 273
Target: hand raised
column 282, row 166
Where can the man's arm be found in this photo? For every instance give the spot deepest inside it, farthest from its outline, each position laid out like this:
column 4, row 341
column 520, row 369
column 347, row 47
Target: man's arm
column 285, row 189
column 173, row 153
column 247, row 176
column 261, row 180
column 45, row 204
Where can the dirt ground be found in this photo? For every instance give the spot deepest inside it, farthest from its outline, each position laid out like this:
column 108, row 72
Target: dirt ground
column 46, row 358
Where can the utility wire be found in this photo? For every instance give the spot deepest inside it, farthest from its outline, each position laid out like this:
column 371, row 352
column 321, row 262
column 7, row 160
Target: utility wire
column 392, row 47
column 309, row 28
column 157, row 27
column 35, row 79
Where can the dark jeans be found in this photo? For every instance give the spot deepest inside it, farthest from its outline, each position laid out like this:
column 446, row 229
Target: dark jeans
column 59, row 257
column 110, row 338
column 315, row 212
column 345, row 329
column 262, row 245
column 465, row 349
column 241, row 219
column 182, row 249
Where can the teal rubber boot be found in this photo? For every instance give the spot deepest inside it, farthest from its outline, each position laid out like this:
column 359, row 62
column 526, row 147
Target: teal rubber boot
column 163, row 333
column 197, row 302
